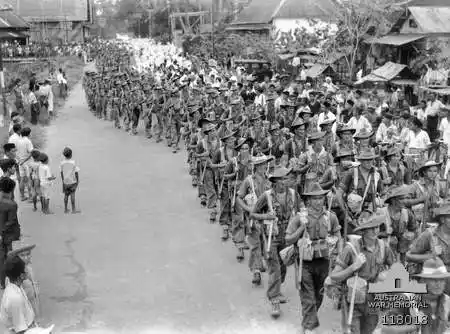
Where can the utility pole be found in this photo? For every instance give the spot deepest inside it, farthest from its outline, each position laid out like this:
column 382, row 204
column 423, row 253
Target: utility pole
column 2, row 76
column 212, row 30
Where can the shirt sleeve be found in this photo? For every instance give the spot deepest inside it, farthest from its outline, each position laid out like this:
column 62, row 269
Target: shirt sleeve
column 293, row 225
column 345, row 259
column 422, row 244
column 242, row 192
column 334, row 222
column 345, row 182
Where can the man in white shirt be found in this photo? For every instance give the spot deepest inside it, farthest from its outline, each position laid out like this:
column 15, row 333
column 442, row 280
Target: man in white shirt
column 358, row 121
column 434, row 106
column 16, row 312
column 24, row 147
column 387, row 130
column 418, row 140
column 444, row 129
column 326, row 115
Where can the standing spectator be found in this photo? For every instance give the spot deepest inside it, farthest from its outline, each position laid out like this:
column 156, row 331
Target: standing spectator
column 62, row 83
column 24, row 148
column 45, row 180
column 9, row 223
column 434, row 106
column 70, row 180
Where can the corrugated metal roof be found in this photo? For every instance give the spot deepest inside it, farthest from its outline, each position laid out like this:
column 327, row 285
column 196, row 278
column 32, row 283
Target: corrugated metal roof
column 12, row 35
column 316, row 70
column 295, row 9
column 9, row 20
column 264, row 11
column 394, row 39
column 428, row 3
column 258, row 12
column 432, row 20
column 386, row 72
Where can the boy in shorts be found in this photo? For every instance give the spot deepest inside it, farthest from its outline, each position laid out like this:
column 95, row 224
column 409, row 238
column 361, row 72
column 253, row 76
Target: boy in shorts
column 45, row 179
column 70, row 179
column 34, row 178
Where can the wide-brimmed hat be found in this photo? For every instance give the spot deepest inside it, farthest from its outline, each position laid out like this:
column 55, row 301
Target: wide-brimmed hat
column 19, row 247
column 328, row 121
column 400, row 191
column 343, row 153
column 443, row 210
column 209, row 127
column 228, row 134
column 240, row 142
column 373, row 221
column 366, row 155
column 315, row 190
column 392, row 151
column 279, row 173
column 255, row 117
column 297, row 123
column 305, row 111
column 262, row 159
column 434, row 268
column 203, row 121
column 274, row 126
column 316, row 135
column 345, row 128
column 363, row 134
column 429, row 164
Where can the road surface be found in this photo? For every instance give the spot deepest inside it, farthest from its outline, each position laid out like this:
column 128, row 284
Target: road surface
column 142, row 257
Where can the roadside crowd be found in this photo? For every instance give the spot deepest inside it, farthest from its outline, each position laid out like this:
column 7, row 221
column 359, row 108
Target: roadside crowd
column 26, row 176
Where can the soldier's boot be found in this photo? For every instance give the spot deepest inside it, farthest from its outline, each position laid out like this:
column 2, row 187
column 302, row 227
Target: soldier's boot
column 276, row 310
column 256, row 280
column 194, row 181
column 134, row 131
column 176, row 148
column 203, row 200
column 148, row 133
column 225, row 233
column 240, row 255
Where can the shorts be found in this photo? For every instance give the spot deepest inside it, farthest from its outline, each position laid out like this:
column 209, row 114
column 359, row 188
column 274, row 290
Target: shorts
column 69, row 188
column 45, row 190
column 24, row 169
column 36, row 187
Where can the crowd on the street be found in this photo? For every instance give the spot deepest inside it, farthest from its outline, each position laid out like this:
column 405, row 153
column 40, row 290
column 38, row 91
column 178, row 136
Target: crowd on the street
column 338, row 183
column 14, row 49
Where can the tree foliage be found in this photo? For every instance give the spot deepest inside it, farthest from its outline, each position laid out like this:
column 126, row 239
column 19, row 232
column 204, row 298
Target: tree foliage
column 357, row 19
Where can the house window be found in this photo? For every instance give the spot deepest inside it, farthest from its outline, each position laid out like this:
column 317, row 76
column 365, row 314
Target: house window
column 398, row 283
column 412, row 23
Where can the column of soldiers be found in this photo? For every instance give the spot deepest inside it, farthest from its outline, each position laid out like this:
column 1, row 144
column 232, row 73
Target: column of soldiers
column 337, row 205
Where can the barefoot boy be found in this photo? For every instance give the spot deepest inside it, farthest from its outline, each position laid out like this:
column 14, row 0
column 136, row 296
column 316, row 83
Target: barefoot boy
column 70, row 179
column 45, row 178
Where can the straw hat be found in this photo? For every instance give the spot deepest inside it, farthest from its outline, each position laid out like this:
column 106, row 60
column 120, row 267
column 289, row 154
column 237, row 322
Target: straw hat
column 228, row 134
column 209, row 127
column 429, row 164
column 19, row 247
column 434, row 268
column 328, row 121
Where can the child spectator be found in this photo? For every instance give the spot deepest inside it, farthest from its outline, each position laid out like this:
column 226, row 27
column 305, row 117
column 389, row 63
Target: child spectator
column 24, row 148
column 45, row 180
column 70, row 179
column 34, row 178
column 34, row 107
column 8, row 168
